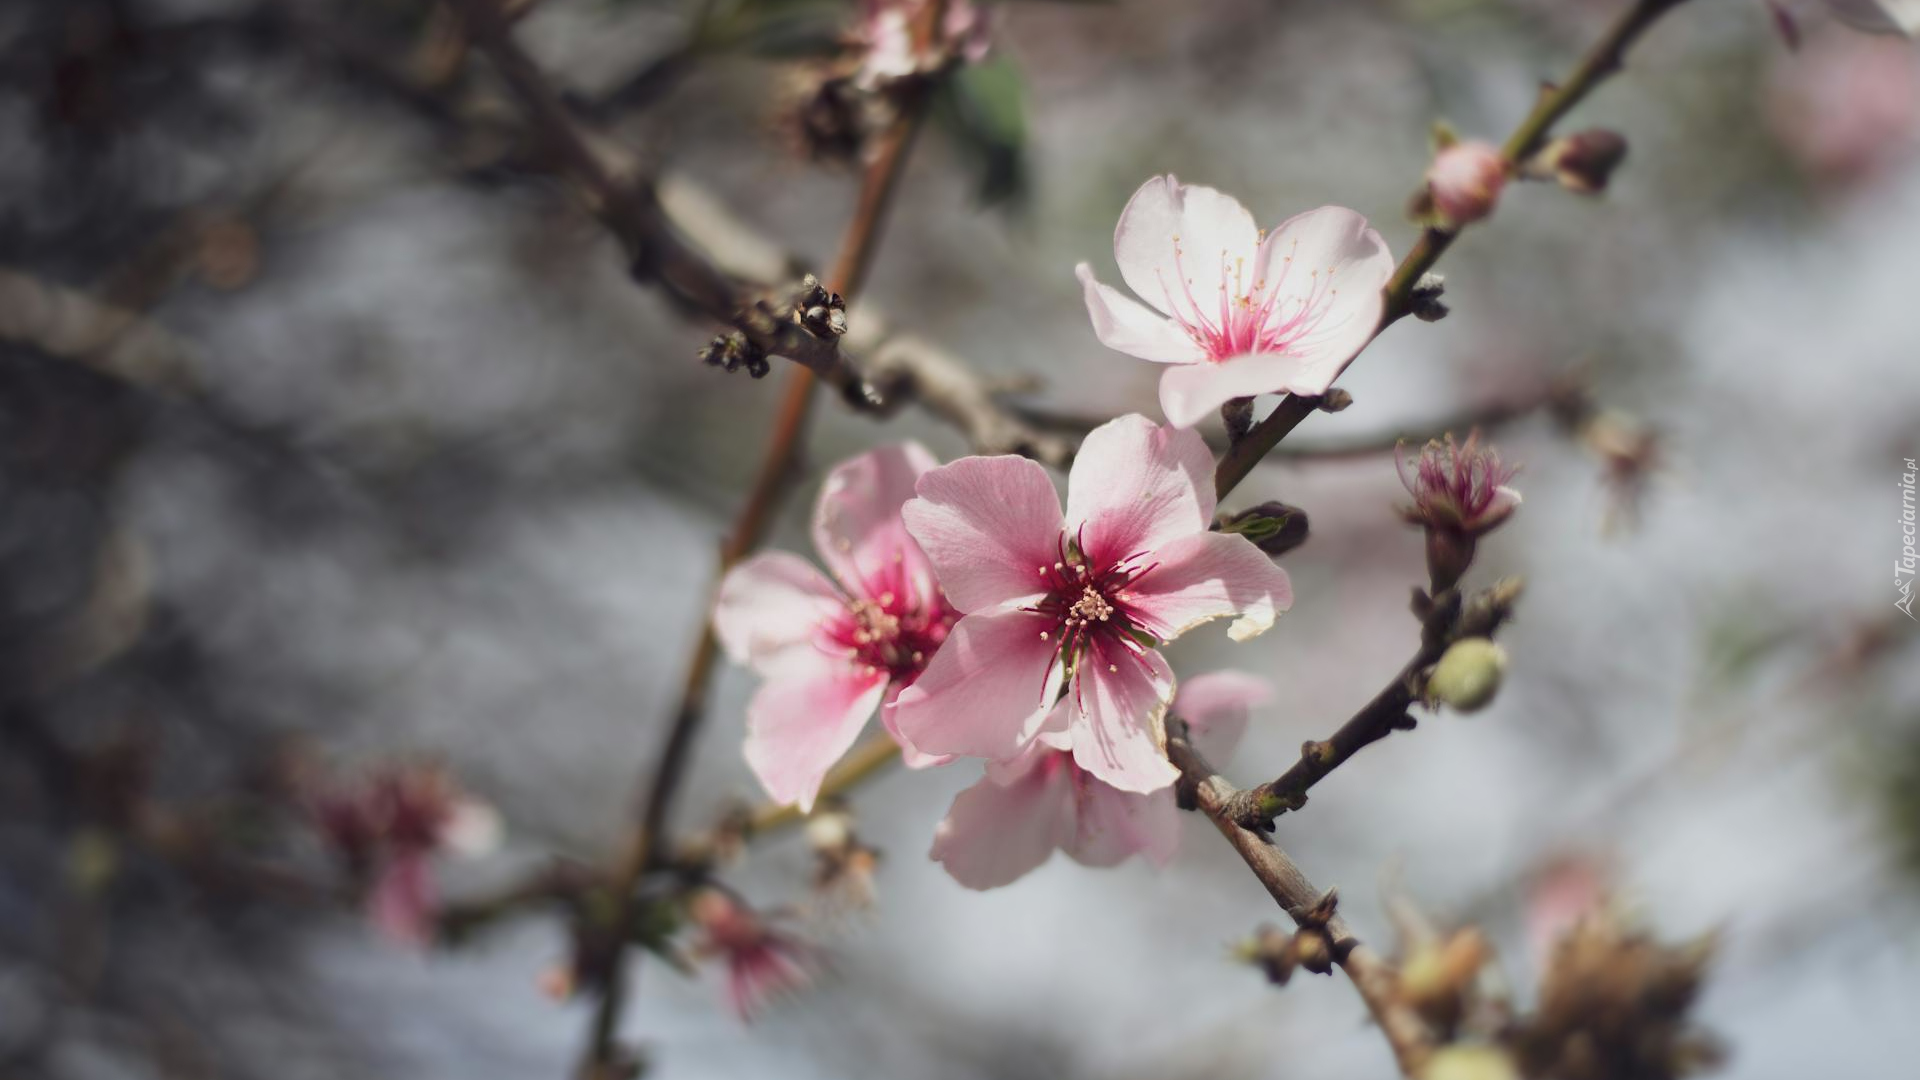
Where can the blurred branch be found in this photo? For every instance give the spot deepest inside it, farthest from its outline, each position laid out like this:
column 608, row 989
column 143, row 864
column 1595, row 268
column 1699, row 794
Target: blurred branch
column 1601, row 61
column 1202, row 788
column 70, row 325
column 695, row 251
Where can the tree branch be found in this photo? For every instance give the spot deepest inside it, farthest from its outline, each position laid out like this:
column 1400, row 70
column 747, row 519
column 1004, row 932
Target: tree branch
column 633, row 213
column 1447, row 621
column 1602, row 60
column 1204, row 789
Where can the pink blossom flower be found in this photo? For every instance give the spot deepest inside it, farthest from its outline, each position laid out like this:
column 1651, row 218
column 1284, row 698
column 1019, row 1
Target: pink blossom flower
column 1879, row 16
column 1465, row 179
column 1083, row 599
column 762, row 963
column 389, row 827
column 886, row 33
column 831, row 654
column 1847, row 108
column 1014, row 818
column 1236, row 311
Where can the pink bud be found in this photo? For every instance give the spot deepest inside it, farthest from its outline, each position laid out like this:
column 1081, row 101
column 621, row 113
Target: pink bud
column 1465, row 181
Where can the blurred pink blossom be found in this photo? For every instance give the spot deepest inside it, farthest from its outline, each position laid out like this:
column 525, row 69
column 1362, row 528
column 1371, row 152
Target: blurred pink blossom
column 1084, row 599
column 1846, row 107
column 762, row 963
column 1236, row 311
column 886, row 35
column 831, row 654
column 1013, row 819
column 388, row 828
column 1465, row 179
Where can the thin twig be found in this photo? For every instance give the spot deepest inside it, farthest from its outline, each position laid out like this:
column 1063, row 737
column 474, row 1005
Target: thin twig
column 1601, row 61
column 1446, row 622
column 1412, row 1040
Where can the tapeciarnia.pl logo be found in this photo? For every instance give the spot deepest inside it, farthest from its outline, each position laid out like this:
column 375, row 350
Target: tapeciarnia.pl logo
column 1903, row 567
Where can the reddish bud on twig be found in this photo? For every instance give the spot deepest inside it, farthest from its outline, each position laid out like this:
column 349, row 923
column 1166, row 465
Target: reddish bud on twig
column 1464, row 182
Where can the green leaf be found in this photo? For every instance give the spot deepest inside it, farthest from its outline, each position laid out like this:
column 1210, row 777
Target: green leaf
column 984, row 107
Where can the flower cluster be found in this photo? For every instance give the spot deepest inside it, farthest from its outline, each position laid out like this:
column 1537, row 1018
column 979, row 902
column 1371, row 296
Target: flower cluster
column 388, row 826
column 983, row 620
column 980, row 617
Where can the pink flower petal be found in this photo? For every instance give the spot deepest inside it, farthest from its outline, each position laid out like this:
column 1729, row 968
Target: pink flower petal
column 797, row 727
column 1115, row 825
column 405, row 900
column 994, row 833
column 988, row 524
column 1119, row 701
column 1334, row 252
column 1190, row 393
column 1126, row 326
column 1177, row 244
column 1216, row 707
column 986, row 692
column 1136, row 485
column 770, row 609
column 856, row 522
column 1205, row 577
column 910, row 755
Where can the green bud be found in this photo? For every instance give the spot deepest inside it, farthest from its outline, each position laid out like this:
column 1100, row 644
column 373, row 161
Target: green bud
column 1273, row 527
column 1468, row 675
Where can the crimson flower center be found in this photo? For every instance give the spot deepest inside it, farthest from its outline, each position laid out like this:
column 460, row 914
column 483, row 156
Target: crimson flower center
column 1091, row 609
column 892, row 630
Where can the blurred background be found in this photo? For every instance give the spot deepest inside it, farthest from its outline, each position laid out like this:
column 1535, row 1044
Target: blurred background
column 331, row 434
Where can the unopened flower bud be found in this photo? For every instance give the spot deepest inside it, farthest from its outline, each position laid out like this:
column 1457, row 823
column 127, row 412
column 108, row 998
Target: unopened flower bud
column 1274, row 527
column 1582, row 162
column 1436, row 976
column 1270, row 950
column 1312, row 951
column 1469, row 1063
column 1464, row 181
column 1468, row 674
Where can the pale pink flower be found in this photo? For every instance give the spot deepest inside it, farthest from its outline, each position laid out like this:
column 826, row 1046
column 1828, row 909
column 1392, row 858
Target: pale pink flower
column 886, row 35
column 762, row 963
column 1847, row 108
column 1084, row 599
column 1879, row 16
column 1014, row 818
column 389, row 827
column 1237, row 311
column 831, row 654
column 1465, row 179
